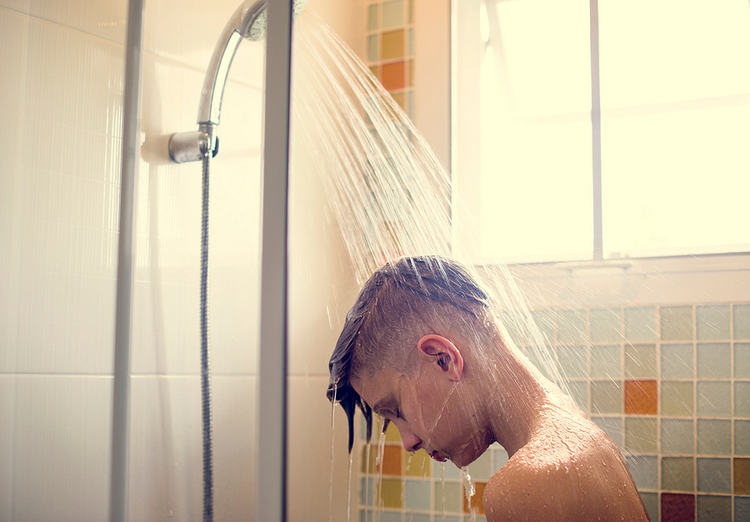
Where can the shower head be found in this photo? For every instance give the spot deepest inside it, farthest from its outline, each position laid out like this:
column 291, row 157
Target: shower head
column 248, row 21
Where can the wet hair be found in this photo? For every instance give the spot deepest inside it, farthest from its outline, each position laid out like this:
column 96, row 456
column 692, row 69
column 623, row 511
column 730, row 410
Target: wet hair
column 394, row 294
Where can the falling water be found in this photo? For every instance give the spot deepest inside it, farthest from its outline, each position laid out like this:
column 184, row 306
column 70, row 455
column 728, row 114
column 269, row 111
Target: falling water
column 330, row 478
column 469, row 491
column 385, row 188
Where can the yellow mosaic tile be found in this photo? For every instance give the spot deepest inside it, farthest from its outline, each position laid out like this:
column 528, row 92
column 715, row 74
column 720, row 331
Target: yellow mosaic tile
column 418, row 465
column 393, row 44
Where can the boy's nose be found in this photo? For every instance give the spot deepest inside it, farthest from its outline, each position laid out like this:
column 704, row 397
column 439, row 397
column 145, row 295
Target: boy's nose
column 411, row 442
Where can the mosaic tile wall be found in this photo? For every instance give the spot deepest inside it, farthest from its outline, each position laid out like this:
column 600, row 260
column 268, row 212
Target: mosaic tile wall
column 390, row 48
column 669, row 384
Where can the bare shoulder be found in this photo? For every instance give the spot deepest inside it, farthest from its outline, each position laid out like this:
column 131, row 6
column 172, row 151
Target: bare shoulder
column 569, row 476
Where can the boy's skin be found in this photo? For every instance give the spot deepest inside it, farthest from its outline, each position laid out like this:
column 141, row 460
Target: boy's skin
column 453, row 404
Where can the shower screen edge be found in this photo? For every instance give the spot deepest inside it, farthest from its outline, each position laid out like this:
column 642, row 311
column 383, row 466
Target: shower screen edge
column 118, row 501
column 271, row 467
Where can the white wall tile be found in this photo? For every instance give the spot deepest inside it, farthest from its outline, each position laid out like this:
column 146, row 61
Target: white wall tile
column 103, row 18
column 62, row 448
column 310, row 453
column 166, row 448
column 7, row 429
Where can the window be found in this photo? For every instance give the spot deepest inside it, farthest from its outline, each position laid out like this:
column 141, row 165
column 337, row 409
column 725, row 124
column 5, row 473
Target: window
column 664, row 170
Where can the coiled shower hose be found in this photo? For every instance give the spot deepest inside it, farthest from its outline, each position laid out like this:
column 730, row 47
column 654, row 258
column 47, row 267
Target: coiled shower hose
column 208, row 483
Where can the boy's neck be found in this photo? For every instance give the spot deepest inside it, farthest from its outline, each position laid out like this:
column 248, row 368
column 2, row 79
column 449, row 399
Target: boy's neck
column 516, row 399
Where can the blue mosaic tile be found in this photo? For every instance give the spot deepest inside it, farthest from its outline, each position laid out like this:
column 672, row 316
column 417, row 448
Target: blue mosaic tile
column 677, row 361
column 451, row 472
column 712, row 322
column 499, row 458
column 481, row 469
column 741, row 509
column 651, row 503
column 677, row 437
column 612, row 426
column 417, row 494
column 640, row 361
column 447, row 497
column 644, row 470
column 366, row 492
column 714, row 360
column 714, row 475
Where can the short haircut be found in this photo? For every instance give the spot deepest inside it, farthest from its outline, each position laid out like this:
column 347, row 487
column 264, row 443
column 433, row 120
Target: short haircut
column 395, row 291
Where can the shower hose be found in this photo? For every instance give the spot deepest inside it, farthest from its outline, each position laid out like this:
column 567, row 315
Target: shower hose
column 208, row 489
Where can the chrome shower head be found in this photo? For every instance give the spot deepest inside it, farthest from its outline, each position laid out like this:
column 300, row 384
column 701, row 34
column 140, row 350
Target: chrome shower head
column 248, row 21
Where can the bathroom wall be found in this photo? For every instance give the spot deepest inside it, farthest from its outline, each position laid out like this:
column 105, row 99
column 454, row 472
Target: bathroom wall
column 59, row 194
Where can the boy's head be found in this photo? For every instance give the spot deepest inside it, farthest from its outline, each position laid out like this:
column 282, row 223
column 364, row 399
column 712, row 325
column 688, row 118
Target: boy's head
column 404, row 341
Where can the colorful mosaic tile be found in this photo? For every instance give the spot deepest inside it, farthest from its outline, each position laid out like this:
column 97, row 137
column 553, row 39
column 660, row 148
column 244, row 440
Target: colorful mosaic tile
column 605, row 325
column 677, row 507
column 742, row 476
column 741, row 321
column 677, row 474
column 641, row 397
column 476, row 500
column 714, row 508
column 712, row 322
column 676, row 323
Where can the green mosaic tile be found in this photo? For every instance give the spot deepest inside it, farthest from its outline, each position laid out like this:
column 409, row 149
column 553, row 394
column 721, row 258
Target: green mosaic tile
column 606, row 362
column 644, row 471
column 714, row 437
column 742, row 360
column 741, row 437
column 742, row 399
column 572, row 360
column 714, row 399
column 410, row 42
column 651, row 503
column 605, row 325
column 640, row 434
column 579, row 392
column 677, row 437
column 393, row 14
column 373, row 48
column 640, row 324
column 640, row 361
column 714, row 508
column 373, row 20
column 712, row 322
column 417, row 494
column 714, row 360
column 741, row 321
column 676, row 398
column 571, row 326
column 606, row 397
column 676, row 323
column 677, row 473
column 447, row 497
column 714, row 475
column 677, row 361
column 612, row 426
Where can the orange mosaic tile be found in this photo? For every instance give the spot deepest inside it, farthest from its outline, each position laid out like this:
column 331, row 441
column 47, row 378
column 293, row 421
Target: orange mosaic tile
column 741, row 476
column 476, row 500
column 393, row 75
column 641, row 397
column 393, row 459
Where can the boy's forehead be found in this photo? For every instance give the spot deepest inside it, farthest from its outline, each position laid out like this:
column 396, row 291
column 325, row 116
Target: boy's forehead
column 376, row 389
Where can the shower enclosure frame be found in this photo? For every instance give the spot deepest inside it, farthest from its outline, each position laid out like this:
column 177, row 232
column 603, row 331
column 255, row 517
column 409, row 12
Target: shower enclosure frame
column 271, row 466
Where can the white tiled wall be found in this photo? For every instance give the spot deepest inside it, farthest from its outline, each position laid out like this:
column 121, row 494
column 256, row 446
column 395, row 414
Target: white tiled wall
column 61, row 95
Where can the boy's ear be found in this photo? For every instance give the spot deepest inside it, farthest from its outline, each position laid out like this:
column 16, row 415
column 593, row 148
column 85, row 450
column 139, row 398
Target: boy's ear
column 444, row 354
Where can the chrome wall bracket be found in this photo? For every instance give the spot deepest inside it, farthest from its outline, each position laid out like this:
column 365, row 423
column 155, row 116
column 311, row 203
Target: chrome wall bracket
column 193, row 145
